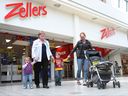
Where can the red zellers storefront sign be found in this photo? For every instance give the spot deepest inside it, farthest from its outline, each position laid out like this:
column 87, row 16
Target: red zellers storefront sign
column 24, row 12
column 107, row 32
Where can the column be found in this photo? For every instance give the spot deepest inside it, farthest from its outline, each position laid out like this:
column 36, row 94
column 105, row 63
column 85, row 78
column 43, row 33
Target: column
column 75, row 39
column 52, row 71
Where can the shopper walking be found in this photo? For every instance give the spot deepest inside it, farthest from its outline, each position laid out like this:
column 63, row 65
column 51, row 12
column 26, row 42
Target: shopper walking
column 82, row 46
column 58, row 61
column 41, row 53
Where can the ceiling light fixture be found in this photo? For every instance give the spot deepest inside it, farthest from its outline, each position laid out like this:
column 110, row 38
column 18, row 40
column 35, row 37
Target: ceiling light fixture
column 24, row 53
column 9, row 47
column 58, row 46
column 94, row 18
column 7, row 40
column 57, row 5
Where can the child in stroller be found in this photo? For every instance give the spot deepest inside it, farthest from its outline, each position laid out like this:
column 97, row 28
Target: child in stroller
column 100, row 70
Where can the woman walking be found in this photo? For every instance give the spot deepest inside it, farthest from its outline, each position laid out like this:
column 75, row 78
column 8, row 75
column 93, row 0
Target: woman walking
column 41, row 54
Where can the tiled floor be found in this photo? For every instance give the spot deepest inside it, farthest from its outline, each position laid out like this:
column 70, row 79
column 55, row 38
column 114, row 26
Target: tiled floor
column 68, row 88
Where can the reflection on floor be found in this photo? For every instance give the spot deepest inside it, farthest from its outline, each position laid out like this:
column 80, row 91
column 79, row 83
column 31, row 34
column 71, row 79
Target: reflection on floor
column 68, row 88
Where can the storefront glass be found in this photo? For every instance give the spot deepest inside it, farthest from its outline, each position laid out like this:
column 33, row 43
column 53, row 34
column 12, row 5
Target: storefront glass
column 13, row 48
column 124, row 58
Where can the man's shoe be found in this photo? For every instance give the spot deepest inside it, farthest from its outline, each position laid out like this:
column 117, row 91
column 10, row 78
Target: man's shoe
column 45, row 86
column 37, row 86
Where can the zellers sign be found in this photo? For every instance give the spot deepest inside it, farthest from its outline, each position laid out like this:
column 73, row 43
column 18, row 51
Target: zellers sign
column 107, row 32
column 25, row 12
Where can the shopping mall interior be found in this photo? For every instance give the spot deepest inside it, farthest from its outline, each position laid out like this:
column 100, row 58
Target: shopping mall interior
column 14, row 47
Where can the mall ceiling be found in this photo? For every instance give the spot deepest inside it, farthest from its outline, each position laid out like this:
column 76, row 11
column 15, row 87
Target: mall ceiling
column 15, row 42
column 32, row 32
column 87, row 15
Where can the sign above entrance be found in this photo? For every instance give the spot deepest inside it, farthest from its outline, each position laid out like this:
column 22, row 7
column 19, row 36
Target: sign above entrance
column 107, row 32
column 29, row 10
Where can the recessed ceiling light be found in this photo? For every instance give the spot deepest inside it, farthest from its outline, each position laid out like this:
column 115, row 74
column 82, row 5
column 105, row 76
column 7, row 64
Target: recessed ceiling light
column 24, row 53
column 9, row 47
column 57, row 5
column 58, row 46
column 7, row 40
column 94, row 18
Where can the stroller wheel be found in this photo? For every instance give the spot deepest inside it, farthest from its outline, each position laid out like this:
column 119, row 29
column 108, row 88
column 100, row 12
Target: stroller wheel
column 91, row 84
column 118, row 84
column 87, row 84
column 98, row 85
column 103, row 85
column 114, row 84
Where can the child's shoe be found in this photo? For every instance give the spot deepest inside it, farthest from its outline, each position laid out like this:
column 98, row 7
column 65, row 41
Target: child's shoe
column 59, row 83
column 31, row 87
column 24, row 87
column 56, row 84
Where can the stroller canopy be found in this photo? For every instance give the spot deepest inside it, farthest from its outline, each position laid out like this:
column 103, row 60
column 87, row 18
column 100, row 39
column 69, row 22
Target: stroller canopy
column 91, row 53
column 94, row 56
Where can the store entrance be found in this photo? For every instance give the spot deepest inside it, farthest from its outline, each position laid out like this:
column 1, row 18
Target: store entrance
column 124, row 59
column 12, row 50
column 15, row 47
column 64, row 48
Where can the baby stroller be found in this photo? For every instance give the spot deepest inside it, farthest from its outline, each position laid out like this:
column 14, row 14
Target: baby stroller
column 100, row 71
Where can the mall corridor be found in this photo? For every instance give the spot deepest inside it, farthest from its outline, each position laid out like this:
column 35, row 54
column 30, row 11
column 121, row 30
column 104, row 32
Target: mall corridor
column 68, row 88
column 104, row 40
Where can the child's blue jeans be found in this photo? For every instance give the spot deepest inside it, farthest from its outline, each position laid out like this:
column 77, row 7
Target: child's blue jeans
column 58, row 75
column 27, row 80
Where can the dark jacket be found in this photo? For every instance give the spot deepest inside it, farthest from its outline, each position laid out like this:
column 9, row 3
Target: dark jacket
column 80, row 47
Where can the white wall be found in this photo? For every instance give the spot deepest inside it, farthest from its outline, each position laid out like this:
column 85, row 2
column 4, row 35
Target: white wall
column 122, row 7
column 104, row 9
column 55, row 21
column 63, row 23
column 75, row 40
column 93, row 33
